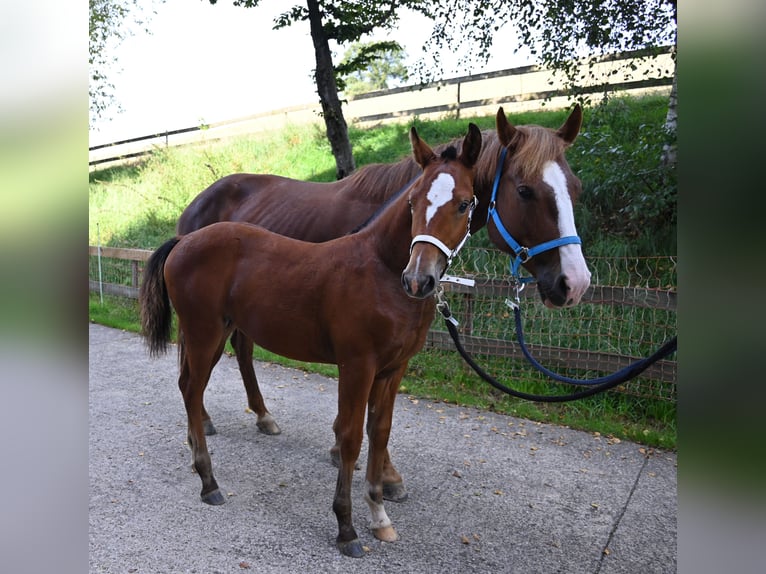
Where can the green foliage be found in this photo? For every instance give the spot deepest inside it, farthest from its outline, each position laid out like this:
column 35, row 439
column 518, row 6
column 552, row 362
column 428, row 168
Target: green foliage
column 367, row 67
column 629, row 196
column 106, row 27
column 558, row 33
column 628, row 205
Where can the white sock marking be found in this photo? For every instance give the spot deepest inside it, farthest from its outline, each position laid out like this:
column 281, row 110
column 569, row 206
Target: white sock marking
column 379, row 518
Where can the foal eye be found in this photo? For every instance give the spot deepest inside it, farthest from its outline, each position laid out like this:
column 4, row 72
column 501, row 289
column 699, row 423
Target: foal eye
column 525, row 192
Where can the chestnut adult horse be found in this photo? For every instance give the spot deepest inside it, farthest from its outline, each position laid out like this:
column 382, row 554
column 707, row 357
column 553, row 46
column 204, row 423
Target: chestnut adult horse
column 363, row 302
column 534, row 194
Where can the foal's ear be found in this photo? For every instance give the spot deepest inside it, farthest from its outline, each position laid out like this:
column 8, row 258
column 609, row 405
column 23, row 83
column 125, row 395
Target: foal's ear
column 568, row 132
column 505, row 131
column 421, row 150
column 471, row 146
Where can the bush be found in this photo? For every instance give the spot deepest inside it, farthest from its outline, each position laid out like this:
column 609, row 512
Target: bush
column 629, row 195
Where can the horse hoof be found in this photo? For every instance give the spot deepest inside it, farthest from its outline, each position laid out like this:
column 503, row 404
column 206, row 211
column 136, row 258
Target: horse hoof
column 267, row 425
column 385, row 534
column 395, row 492
column 352, row 548
column 214, row 498
column 209, row 428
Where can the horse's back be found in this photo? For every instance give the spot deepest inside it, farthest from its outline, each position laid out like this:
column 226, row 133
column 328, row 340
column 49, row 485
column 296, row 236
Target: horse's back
column 235, row 197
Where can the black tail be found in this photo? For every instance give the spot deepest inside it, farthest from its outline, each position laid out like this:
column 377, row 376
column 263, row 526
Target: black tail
column 156, row 317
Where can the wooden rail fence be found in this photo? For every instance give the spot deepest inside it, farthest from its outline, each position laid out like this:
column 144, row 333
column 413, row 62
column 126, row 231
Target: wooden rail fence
column 516, row 89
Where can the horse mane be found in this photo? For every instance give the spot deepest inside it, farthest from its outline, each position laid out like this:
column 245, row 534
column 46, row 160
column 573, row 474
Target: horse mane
column 533, row 147
column 379, row 181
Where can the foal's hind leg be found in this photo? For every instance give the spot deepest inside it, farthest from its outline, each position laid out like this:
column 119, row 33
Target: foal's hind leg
column 243, row 348
column 195, row 373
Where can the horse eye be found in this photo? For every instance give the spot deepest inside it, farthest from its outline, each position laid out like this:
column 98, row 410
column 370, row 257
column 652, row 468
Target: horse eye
column 525, row 192
column 464, row 205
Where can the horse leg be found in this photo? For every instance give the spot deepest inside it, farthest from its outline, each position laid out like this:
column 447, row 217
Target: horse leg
column 393, row 484
column 243, row 348
column 192, row 381
column 379, row 415
column 206, row 422
column 353, row 390
column 335, row 449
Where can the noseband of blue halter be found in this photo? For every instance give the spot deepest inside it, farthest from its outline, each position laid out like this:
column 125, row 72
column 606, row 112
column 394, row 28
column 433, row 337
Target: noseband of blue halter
column 439, row 244
column 521, row 254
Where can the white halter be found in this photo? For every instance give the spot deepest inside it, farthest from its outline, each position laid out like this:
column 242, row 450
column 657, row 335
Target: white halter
column 449, row 253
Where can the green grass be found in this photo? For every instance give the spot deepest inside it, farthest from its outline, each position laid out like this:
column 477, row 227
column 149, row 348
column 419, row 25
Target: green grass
column 443, row 376
column 138, row 206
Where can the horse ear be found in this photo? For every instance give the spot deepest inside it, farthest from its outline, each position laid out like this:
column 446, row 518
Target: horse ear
column 421, row 150
column 568, row 132
column 471, row 146
column 505, row 131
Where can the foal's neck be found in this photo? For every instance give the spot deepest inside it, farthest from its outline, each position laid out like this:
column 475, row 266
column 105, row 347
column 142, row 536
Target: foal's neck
column 390, row 235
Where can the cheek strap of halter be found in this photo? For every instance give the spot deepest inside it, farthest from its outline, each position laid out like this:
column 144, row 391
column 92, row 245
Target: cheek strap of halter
column 439, row 244
column 521, row 254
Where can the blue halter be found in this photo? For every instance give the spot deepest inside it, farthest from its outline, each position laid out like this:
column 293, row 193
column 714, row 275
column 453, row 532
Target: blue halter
column 521, row 254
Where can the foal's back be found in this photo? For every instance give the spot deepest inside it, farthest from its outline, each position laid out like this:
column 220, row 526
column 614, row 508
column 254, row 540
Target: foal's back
column 297, row 299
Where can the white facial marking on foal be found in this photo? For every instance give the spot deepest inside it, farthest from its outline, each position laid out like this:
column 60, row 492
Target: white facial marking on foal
column 439, row 194
column 572, row 261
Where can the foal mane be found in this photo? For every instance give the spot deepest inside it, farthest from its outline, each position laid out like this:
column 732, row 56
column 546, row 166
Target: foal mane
column 403, row 167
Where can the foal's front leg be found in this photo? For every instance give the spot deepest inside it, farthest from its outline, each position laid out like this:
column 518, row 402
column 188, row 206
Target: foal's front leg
column 354, row 384
column 393, row 484
column 379, row 416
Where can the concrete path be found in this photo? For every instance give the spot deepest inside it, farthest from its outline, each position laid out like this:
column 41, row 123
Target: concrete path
column 487, row 492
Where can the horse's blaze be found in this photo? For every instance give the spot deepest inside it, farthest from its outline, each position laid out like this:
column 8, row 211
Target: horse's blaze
column 573, row 266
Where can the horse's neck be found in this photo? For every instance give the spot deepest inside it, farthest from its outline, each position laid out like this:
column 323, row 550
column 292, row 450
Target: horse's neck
column 390, row 235
column 375, row 184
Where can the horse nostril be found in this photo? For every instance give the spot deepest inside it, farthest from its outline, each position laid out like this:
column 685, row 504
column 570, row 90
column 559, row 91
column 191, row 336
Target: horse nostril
column 561, row 285
column 430, row 284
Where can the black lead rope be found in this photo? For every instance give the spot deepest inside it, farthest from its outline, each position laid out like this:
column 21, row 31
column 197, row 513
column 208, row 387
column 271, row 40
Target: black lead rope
column 596, row 385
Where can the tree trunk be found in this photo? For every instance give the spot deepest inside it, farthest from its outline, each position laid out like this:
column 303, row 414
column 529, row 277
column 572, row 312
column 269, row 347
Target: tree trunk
column 671, row 121
column 337, row 130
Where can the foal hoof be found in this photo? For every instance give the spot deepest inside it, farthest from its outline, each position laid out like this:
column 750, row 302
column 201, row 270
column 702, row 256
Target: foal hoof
column 385, row 534
column 351, row 548
column 267, row 425
column 209, row 428
column 395, row 492
column 213, row 497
